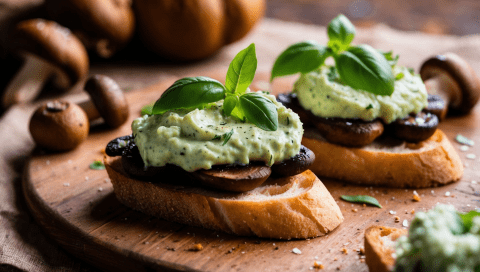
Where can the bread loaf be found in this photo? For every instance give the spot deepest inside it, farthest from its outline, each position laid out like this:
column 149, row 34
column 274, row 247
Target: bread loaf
column 380, row 247
column 398, row 164
column 282, row 208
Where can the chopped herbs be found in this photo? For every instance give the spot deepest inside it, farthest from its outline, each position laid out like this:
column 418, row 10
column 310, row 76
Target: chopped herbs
column 97, row 165
column 370, row 106
column 227, row 136
column 362, row 199
column 146, row 110
column 399, row 76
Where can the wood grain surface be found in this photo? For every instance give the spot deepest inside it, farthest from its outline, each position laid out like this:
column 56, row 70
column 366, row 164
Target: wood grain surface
column 77, row 208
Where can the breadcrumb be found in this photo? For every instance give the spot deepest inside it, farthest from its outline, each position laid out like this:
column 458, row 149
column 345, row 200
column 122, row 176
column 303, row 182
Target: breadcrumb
column 362, row 251
column 318, row 265
column 197, row 247
column 354, row 210
column 412, row 211
column 345, row 251
column 397, row 219
column 416, row 198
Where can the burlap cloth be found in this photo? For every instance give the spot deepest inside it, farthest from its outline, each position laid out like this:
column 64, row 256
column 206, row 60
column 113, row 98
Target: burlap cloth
column 23, row 246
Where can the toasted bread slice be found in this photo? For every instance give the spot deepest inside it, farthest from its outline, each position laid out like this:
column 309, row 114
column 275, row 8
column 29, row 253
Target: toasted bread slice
column 380, row 247
column 284, row 208
column 398, row 164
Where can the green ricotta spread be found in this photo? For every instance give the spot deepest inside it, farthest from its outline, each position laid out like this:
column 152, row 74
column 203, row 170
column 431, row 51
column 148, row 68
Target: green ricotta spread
column 192, row 139
column 438, row 240
column 326, row 98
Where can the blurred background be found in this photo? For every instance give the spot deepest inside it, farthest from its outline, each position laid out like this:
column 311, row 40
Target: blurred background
column 134, row 65
column 429, row 16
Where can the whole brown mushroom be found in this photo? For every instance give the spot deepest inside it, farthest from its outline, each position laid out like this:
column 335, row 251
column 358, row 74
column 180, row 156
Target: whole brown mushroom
column 59, row 126
column 194, row 29
column 50, row 51
column 104, row 26
column 107, row 101
column 450, row 77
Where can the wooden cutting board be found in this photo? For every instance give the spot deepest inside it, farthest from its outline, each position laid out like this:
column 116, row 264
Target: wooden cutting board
column 76, row 207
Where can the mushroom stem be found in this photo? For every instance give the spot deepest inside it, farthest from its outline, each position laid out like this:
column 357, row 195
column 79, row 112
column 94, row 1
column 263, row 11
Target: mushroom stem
column 90, row 110
column 446, row 87
column 28, row 81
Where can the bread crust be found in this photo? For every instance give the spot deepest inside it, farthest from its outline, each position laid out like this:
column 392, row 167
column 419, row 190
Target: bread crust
column 296, row 207
column 430, row 163
column 379, row 247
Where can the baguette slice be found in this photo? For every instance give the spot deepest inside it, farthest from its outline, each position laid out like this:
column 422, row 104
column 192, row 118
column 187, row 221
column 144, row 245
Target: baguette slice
column 294, row 207
column 398, row 164
column 380, row 247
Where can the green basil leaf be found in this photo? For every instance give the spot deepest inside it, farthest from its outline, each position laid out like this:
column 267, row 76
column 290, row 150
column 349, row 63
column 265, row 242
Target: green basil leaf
column 341, row 33
column 241, row 70
column 227, row 136
column 229, row 104
column 238, row 113
column 146, row 110
column 97, row 165
column 411, row 70
column 364, row 68
column 467, row 219
column 362, row 199
column 259, row 111
column 301, row 57
column 189, row 92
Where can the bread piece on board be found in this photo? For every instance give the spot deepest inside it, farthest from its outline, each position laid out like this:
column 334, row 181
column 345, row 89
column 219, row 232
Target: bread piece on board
column 296, row 207
column 429, row 163
column 380, row 247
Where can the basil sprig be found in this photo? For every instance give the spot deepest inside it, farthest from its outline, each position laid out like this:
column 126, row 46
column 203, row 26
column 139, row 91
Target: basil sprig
column 198, row 92
column 361, row 199
column 360, row 67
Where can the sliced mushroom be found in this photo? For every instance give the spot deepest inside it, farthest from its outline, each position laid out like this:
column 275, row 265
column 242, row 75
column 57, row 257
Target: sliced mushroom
column 133, row 164
column 290, row 101
column 349, row 132
column 104, row 26
column 436, row 106
column 107, row 100
column 415, row 128
column 295, row 165
column 59, row 126
column 451, row 78
column 50, row 51
column 116, row 146
column 233, row 178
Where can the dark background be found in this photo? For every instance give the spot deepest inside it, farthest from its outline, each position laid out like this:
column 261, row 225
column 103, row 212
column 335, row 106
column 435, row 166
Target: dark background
column 430, row 16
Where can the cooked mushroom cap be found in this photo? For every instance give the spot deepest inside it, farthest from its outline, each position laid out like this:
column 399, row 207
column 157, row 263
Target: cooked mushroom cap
column 59, row 126
column 108, row 98
column 110, row 23
column 55, row 44
column 461, row 72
